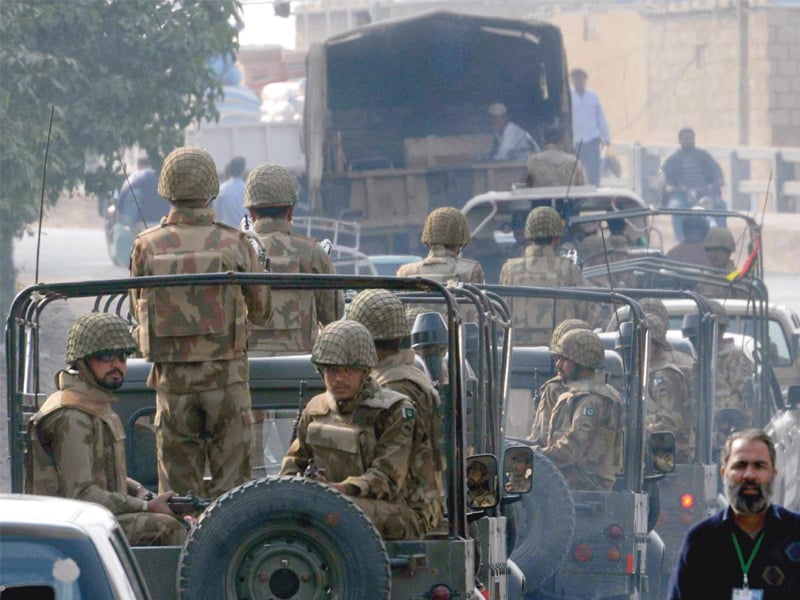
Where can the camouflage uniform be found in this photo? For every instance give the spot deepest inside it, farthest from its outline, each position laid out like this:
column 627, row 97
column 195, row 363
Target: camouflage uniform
column 669, row 406
column 535, row 318
column 382, row 313
column 720, row 238
column 554, row 168
column 365, row 442
column 196, row 336
column 585, row 435
column 734, row 369
column 76, row 443
column 296, row 314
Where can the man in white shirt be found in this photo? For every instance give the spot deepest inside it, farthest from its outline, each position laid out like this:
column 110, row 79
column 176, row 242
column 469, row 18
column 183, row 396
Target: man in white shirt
column 589, row 126
column 511, row 142
column 229, row 204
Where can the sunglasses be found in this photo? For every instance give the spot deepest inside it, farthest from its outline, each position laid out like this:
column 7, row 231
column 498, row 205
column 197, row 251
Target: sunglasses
column 111, row 356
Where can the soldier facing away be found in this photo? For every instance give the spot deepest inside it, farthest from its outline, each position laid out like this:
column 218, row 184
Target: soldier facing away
column 270, row 197
column 196, row 336
column 357, row 437
column 552, row 167
column 383, row 314
column 76, row 441
column 536, row 318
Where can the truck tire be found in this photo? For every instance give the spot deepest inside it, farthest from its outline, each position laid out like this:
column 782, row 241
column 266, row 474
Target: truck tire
column 283, row 538
column 543, row 522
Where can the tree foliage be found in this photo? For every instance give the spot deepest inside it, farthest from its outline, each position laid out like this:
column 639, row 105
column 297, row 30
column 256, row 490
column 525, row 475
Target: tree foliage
column 118, row 72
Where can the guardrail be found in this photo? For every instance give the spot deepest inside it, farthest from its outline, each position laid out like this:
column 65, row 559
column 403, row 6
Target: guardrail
column 747, row 174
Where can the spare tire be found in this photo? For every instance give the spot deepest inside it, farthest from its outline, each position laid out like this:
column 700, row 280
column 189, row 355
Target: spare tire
column 543, row 522
column 284, row 538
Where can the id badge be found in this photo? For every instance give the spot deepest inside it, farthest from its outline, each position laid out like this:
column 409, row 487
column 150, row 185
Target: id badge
column 747, row 594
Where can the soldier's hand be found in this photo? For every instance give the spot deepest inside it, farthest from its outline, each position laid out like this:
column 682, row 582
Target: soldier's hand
column 159, row 504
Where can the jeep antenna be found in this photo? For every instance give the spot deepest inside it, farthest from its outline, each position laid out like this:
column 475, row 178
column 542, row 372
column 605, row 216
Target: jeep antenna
column 41, row 197
column 133, row 194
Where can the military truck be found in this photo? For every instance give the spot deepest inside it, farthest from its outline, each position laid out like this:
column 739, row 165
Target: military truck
column 396, row 120
column 290, row 537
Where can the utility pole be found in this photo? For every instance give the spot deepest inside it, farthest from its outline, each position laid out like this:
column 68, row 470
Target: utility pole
column 742, row 79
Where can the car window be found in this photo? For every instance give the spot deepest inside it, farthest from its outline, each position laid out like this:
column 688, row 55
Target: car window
column 779, row 351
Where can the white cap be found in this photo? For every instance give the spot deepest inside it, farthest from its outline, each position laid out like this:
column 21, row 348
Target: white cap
column 498, row 109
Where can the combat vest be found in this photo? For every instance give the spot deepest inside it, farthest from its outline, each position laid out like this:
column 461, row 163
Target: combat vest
column 41, row 473
column 192, row 323
column 676, row 415
column 442, row 265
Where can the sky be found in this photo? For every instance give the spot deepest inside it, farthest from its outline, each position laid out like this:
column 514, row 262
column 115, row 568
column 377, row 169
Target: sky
column 263, row 27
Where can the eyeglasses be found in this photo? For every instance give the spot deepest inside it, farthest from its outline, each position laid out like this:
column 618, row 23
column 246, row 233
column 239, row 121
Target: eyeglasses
column 111, row 356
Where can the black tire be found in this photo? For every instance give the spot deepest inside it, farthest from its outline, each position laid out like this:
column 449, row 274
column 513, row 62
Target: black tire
column 543, row 522
column 283, row 538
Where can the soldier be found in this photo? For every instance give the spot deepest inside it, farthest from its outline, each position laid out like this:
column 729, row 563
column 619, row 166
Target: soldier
column 446, row 233
column 585, row 436
column 270, row 197
column 734, row 369
column 196, row 336
column 480, row 494
column 535, row 318
column 669, row 406
column 552, row 167
column 519, row 471
column 76, row 441
column 683, row 360
column 357, row 437
column 719, row 246
column 382, row 313
column 553, row 387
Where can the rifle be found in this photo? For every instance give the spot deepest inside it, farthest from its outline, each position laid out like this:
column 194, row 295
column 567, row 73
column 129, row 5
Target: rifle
column 184, row 505
column 301, row 390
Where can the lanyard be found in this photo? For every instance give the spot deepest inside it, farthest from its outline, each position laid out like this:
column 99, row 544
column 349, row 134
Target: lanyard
column 746, row 566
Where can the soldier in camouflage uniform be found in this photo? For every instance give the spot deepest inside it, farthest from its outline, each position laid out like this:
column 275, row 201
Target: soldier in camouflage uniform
column 446, row 233
column 357, row 437
column 480, row 493
column 552, row 167
column 669, row 406
column 196, row 336
column 734, row 369
column 270, row 197
column 382, row 313
column 76, row 442
column 553, row 387
column 585, row 436
column 535, row 318
column 719, row 246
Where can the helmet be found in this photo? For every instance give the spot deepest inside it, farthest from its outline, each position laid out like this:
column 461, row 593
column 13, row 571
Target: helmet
column 412, row 312
column 446, row 226
column 269, row 185
column 565, row 326
column 719, row 311
column 583, row 347
column 591, row 246
column 719, row 237
column 345, row 344
column 543, row 222
column 97, row 332
column 188, row 174
column 655, row 306
column 658, row 328
column 382, row 313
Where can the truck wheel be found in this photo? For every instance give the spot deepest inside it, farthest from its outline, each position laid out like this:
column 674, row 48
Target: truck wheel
column 283, row 538
column 543, row 521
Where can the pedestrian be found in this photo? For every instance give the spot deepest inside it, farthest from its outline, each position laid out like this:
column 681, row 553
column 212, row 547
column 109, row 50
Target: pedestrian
column 383, row 314
column 357, row 437
column 552, row 167
column 297, row 315
column 76, row 443
column 511, row 142
column 229, row 203
column 750, row 549
column 536, row 318
column 589, row 126
column 196, row 336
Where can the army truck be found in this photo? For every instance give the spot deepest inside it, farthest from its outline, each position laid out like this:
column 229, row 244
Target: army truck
column 396, row 120
column 291, row 537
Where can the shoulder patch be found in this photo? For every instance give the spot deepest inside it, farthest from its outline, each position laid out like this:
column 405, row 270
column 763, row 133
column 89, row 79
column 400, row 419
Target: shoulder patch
column 408, row 413
column 658, row 380
column 588, row 411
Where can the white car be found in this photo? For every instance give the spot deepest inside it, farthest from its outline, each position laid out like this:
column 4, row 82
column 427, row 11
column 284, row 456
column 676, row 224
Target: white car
column 58, row 548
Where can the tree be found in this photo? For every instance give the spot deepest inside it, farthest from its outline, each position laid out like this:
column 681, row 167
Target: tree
column 118, row 73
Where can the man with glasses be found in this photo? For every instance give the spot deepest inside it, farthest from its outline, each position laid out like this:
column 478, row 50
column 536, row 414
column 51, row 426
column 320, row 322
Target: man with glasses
column 76, row 442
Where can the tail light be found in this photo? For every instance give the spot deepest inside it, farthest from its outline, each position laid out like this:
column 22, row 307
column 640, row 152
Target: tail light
column 583, row 552
column 687, row 501
column 615, row 533
column 613, row 554
column 441, row 592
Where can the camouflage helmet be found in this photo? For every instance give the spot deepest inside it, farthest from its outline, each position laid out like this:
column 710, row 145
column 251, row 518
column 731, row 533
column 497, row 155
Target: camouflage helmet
column 655, row 306
column 446, row 226
column 345, row 344
column 188, row 174
column 269, row 185
column 543, row 222
column 719, row 237
column 719, row 311
column 583, row 347
column 657, row 327
column 97, row 332
column 565, row 326
column 382, row 313
column 412, row 312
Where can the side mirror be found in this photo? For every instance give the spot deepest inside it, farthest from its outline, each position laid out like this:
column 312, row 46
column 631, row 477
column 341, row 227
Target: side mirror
column 691, row 326
column 662, row 451
column 793, row 396
column 518, row 470
column 482, row 485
